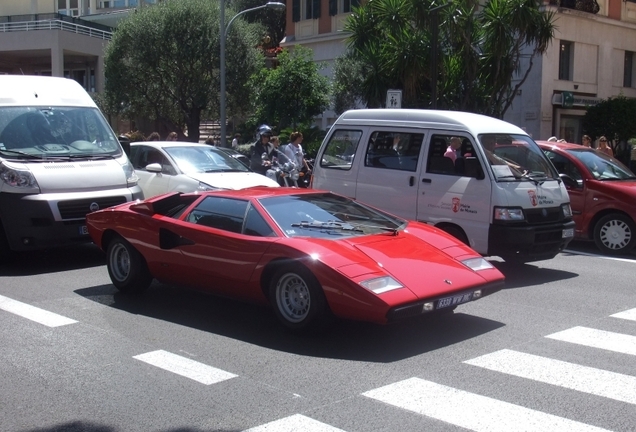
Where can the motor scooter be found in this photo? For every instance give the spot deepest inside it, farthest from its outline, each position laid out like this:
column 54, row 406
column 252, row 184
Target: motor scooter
column 283, row 170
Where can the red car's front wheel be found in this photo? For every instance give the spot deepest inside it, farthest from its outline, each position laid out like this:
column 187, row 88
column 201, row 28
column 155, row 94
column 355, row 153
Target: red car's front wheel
column 126, row 267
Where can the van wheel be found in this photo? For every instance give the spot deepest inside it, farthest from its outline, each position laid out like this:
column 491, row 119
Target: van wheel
column 126, row 267
column 456, row 232
column 615, row 234
column 5, row 250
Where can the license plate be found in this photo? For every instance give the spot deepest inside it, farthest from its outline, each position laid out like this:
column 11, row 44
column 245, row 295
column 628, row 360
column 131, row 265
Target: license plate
column 83, row 230
column 454, row 300
column 567, row 233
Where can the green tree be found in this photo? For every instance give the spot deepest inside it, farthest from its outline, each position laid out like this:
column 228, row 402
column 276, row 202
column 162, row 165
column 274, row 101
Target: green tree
column 163, row 63
column 481, row 48
column 614, row 118
column 291, row 93
column 272, row 20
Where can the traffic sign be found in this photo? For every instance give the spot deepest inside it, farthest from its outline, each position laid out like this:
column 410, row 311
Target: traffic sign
column 394, row 99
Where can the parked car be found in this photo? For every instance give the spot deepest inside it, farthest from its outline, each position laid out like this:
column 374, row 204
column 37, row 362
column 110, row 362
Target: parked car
column 236, row 155
column 167, row 166
column 602, row 195
column 310, row 254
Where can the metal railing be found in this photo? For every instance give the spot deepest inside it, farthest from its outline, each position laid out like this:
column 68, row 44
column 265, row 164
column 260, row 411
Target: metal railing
column 34, row 22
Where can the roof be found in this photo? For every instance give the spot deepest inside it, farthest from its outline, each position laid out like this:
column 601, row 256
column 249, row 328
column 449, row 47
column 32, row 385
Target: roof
column 162, row 144
column 562, row 146
column 259, row 192
column 31, row 90
column 452, row 120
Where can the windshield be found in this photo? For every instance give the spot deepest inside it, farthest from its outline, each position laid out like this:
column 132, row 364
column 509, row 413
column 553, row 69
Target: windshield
column 55, row 132
column 204, row 159
column 326, row 215
column 601, row 166
column 516, row 158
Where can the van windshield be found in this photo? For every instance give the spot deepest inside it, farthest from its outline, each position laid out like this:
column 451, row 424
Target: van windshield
column 55, row 132
column 516, row 158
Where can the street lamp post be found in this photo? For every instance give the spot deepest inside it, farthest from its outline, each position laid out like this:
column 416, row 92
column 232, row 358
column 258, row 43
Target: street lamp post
column 434, row 49
column 224, row 30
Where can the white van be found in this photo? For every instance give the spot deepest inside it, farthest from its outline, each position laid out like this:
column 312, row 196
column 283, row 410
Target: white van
column 497, row 191
column 59, row 160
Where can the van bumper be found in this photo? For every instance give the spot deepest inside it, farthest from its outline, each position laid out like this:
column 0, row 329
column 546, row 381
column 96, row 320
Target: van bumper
column 526, row 243
column 43, row 221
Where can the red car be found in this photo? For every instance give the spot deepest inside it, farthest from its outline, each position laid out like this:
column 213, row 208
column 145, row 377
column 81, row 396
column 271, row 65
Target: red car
column 602, row 195
column 310, row 254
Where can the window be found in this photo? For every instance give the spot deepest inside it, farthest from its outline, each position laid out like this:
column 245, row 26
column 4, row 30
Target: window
column 255, row 225
column 343, row 6
column 341, row 149
column 68, row 7
column 629, row 78
column 393, row 150
column 565, row 166
column 464, row 163
column 143, row 156
column 222, row 213
column 566, row 60
column 305, row 9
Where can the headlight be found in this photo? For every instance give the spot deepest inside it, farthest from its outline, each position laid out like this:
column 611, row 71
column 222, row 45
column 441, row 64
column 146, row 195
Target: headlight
column 18, row 178
column 567, row 210
column 205, row 187
column 131, row 176
column 381, row 284
column 477, row 264
column 509, row 214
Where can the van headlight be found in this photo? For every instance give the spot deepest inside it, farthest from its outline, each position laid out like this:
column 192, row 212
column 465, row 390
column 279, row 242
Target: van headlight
column 381, row 284
column 18, row 178
column 567, row 210
column 131, row 176
column 509, row 214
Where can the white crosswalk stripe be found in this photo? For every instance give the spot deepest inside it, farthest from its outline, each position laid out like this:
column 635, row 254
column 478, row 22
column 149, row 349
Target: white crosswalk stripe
column 185, row 367
column 33, row 313
column 556, row 372
column 295, row 423
column 610, row 341
column 469, row 410
column 628, row 315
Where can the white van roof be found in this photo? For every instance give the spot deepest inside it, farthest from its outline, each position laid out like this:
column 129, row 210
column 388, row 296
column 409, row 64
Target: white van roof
column 451, row 120
column 29, row 90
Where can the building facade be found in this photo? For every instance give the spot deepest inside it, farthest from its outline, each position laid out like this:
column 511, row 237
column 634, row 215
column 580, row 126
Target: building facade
column 63, row 38
column 592, row 57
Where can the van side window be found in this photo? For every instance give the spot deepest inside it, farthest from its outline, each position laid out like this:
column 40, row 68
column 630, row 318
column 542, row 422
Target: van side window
column 393, row 150
column 341, row 149
column 452, row 155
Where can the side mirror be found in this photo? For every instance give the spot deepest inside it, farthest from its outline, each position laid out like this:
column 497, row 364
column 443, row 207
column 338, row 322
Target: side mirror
column 124, row 141
column 154, row 167
column 569, row 181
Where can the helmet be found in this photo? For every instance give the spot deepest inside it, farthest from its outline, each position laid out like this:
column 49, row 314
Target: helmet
column 264, row 130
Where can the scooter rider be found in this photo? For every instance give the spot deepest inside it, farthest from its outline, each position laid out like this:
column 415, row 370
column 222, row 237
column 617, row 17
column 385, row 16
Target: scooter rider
column 262, row 151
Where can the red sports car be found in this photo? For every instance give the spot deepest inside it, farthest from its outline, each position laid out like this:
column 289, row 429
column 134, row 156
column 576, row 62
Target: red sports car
column 310, row 254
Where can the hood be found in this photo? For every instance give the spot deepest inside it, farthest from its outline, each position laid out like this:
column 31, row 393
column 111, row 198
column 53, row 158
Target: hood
column 234, row 180
column 423, row 269
column 78, row 176
column 527, row 194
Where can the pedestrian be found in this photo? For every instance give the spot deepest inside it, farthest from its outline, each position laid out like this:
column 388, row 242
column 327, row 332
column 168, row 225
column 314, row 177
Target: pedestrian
column 553, row 139
column 562, row 141
column 235, row 141
column 294, row 151
column 210, row 141
column 603, row 147
column 154, row 137
column 587, row 141
column 172, row 136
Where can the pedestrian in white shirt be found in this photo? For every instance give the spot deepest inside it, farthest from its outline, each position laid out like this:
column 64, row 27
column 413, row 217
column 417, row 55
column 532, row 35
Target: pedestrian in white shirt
column 294, row 151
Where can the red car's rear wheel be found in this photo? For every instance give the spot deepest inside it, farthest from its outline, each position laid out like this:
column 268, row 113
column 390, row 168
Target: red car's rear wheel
column 298, row 299
column 126, row 267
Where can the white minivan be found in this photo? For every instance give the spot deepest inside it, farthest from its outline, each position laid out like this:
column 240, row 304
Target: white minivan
column 59, row 160
column 493, row 188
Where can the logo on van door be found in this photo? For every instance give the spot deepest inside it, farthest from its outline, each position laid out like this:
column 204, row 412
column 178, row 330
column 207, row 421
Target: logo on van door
column 533, row 198
column 456, row 202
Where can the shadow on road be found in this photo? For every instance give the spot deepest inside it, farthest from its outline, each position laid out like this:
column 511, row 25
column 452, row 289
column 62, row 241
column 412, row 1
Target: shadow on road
column 82, row 426
column 257, row 325
column 54, row 260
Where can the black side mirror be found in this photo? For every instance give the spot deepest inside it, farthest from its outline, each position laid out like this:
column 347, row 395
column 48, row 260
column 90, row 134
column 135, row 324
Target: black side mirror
column 124, row 141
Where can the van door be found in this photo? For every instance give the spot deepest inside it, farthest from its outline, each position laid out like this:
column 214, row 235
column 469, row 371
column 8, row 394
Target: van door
column 387, row 173
column 336, row 165
column 454, row 193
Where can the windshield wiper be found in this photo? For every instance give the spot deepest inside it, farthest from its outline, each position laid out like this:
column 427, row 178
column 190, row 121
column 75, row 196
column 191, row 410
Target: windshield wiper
column 332, row 225
column 532, row 177
column 224, row 170
column 21, row 153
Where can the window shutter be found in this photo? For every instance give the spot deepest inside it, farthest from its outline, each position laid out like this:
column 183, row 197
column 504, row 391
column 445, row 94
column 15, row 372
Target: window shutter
column 333, row 7
column 295, row 10
column 315, row 12
column 355, row 3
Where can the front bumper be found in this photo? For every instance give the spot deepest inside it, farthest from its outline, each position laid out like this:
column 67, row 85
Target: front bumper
column 528, row 242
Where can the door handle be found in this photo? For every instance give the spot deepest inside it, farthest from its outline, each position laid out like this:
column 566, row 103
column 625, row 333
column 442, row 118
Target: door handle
column 411, row 181
column 427, row 180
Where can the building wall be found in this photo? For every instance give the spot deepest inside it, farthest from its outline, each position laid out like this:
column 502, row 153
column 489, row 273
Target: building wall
column 24, row 7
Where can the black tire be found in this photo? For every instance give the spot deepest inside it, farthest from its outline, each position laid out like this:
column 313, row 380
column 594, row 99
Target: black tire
column 297, row 298
column 126, row 267
column 615, row 234
column 5, row 250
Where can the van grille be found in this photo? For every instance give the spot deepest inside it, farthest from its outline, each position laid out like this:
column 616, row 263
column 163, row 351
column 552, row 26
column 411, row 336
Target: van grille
column 543, row 215
column 78, row 209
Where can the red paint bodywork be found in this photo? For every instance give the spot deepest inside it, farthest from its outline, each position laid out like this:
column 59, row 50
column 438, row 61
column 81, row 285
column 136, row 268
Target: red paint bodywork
column 424, row 259
column 595, row 198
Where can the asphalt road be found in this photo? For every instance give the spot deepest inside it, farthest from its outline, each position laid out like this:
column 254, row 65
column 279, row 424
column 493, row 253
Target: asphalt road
column 546, row 353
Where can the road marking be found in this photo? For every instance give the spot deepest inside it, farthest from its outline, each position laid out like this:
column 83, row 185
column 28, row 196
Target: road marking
column 569, row 375
column 185, row 367
column 469, row 410
column 574, row 252
column 33, row 313
column 628, row 315
column 295, row 423
column 617, row 342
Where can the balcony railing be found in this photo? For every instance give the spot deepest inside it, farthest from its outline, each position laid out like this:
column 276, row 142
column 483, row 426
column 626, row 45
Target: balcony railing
column 54, row 21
